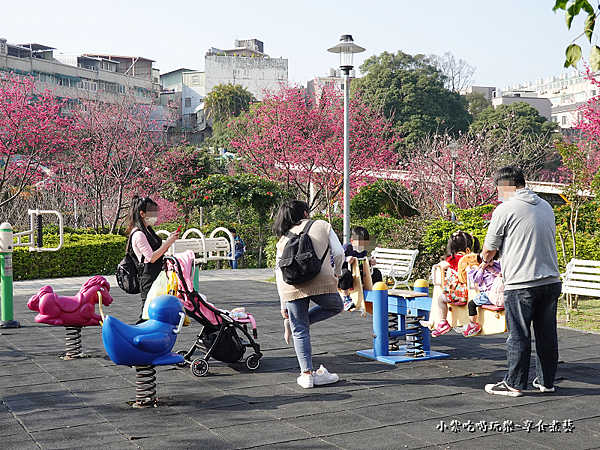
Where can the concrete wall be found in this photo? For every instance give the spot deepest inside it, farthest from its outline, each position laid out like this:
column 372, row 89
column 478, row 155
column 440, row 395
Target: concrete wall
column 543, row 105
column 255, row 74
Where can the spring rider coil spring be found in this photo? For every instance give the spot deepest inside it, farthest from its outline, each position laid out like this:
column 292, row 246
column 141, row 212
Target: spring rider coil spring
column 393, row 326
column 73, row 343
column 414, row 337
column 145, row 386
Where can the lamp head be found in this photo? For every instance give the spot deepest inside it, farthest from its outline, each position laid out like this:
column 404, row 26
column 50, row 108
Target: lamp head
column 346, row 48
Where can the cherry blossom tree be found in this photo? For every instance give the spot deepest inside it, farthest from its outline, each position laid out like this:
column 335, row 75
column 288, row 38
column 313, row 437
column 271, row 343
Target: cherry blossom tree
column 288, row 139
column 119, row 143
column 580, row 171
column 439, row 165
column 32, row 133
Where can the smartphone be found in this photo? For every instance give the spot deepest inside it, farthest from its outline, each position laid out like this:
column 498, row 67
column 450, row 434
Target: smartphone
column 178, row 229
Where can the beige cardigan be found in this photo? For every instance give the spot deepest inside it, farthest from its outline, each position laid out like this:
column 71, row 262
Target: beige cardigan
column 325, row 282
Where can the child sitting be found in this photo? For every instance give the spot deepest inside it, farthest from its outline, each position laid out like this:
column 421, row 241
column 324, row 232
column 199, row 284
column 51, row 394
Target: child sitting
column 356, row 249
column 459, row 244
column 488, row 280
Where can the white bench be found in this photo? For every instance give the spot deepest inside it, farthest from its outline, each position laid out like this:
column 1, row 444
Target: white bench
column 395, row 264
column 582, row 277
column 205, row 248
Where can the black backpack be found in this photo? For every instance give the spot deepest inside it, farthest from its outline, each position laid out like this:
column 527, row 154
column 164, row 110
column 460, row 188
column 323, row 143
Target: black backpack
column 127, row 273
column 299, row 262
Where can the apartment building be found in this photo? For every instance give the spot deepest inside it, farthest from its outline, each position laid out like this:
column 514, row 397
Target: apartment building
column 82, row 76
column 566, row 93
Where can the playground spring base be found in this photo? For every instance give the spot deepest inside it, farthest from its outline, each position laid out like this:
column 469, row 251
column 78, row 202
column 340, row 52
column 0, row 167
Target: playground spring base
column 399, row 356
column 407, row 308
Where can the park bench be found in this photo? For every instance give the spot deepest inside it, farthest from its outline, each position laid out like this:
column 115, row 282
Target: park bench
column 582, row 277
column 395, row 264
column 206, row 249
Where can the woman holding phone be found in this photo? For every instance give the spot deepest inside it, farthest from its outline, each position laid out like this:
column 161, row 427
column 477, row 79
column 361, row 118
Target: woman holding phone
column 147, row 246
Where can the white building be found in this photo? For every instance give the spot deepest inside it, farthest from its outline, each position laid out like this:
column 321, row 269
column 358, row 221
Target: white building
column 565, row 92
column 334, row 78
column 81, row 76
column 246, row 65
column 543, row 105
column 187, row 89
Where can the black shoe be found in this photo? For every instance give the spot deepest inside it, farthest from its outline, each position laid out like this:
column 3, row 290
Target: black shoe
column 502, row 389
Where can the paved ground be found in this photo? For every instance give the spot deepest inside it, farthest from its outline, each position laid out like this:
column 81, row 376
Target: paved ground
column 49, row 403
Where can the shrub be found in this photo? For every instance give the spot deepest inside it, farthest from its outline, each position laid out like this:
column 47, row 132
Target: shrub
column 81, row 255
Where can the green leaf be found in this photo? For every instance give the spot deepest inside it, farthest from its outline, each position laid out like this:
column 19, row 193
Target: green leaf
column 595, row 57
column 572, row 11
column 560, row 4
column 585, row 5
column 590, row 23
column 573, row 55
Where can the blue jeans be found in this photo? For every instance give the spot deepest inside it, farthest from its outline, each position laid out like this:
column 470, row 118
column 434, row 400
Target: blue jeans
column 523, row 306
column 233, row 263
column 328, row 305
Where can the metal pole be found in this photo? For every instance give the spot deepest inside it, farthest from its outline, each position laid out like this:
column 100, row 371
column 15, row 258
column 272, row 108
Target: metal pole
column 6, row 273
column 346, row 156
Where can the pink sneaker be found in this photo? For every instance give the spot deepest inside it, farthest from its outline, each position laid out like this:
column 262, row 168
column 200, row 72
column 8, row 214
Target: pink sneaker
column 472, row 330
column 442, row 328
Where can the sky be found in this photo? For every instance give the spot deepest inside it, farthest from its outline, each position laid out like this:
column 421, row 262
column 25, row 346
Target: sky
column 507, row 41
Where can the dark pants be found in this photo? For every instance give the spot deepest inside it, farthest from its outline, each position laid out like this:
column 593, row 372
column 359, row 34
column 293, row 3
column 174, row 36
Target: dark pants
column 524, row 306
column 149, row 273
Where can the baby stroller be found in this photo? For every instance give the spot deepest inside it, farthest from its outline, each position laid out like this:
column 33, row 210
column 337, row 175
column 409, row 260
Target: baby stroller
column 218, row 338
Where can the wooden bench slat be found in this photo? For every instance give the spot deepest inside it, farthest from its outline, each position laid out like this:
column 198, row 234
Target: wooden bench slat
column 582, row 277
column 395, row 263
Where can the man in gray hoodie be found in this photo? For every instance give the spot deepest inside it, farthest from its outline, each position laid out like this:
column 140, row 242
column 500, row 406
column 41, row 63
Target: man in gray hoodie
column 523, row 230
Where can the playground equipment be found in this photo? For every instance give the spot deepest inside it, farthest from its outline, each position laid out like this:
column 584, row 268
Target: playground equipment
column 73, row 313
column 491, row 318
column 146, row 345
column 409, row 309
column 6, row 249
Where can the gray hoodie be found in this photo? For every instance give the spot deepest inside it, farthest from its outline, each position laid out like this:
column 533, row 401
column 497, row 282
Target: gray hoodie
column 524, row 231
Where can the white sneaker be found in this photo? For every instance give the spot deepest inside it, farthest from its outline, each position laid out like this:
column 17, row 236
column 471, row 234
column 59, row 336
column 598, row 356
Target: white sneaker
column 322, row 376
column 287, row 334
column 537, row 385
column 306, row 381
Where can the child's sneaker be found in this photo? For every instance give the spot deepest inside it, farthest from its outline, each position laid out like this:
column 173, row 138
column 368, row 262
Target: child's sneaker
column 537, row 385
column 306, row 381
column 472, row 330
column 322, row 376
column 288, row 330
column 348, row 303
column 442, row 328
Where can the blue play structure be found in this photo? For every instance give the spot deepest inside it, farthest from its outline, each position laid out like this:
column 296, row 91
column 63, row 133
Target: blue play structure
column 146, row 345
column 406, row 309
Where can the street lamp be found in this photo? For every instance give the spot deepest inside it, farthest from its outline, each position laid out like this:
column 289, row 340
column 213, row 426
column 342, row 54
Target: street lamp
column 346, row 48
column 453, row 146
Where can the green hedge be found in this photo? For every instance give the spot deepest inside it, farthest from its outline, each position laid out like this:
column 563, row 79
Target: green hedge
column 81, row 255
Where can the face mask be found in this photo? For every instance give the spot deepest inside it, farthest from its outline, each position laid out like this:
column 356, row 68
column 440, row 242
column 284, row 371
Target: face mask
column 151, row 220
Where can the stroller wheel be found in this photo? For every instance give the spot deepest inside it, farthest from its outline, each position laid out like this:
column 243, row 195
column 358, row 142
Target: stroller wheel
column 200, row 367
column 253, row 361
column 186, row 362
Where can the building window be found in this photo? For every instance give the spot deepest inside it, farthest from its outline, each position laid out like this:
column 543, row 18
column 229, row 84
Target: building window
column 188, row 102
column 195, row 79
column 564, row 120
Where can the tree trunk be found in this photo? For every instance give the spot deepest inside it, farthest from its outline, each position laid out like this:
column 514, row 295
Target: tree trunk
column 118, row 211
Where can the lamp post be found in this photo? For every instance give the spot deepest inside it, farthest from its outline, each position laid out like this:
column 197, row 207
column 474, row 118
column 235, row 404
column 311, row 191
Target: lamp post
column 453, row 146
column 346, row 48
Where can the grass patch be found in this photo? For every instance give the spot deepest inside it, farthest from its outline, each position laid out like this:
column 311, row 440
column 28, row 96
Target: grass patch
column 586, row 317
